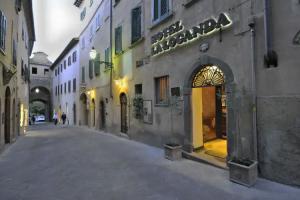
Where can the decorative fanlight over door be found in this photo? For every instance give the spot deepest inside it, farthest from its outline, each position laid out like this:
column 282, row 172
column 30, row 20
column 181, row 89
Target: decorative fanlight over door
column 208, row 76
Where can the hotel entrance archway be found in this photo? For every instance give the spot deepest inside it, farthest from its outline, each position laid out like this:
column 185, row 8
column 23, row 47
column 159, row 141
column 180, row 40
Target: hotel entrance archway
column 209, row 114
column 210, row 83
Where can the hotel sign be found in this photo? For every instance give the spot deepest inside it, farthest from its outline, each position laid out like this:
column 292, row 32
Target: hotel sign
column 175, row 35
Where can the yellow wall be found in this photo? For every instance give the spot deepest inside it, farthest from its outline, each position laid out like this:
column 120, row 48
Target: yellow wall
column 197, row 117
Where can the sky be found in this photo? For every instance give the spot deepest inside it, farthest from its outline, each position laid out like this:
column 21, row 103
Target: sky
column 56, row 23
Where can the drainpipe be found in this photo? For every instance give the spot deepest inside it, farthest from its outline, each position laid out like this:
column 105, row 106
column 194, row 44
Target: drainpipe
column 254, row 92
column 271, row 57
column 111, row 60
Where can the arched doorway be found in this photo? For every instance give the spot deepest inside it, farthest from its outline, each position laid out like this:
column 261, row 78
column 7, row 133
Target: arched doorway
column 84, row 110
column 209, row 112
column 7, row 116
column 102, row 114
column 123, row 102
column 208, row 115
column 93, row 113
column 14, row 118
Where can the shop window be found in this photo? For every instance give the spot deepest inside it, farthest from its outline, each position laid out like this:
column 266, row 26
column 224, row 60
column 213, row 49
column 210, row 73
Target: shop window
column 34, row 70
column 136, row 24
column 3, row 22
column 162, row 90
column 161, row 9
column 118, row 40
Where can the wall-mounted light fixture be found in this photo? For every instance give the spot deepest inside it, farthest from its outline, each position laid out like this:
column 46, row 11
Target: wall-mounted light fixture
column 37, row 90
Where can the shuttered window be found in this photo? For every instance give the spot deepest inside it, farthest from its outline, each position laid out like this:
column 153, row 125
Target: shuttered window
column 162, row 90
column 2, row 31
column 65, row 88
column 91, row 69
column 69, row 86
column 107, row 58
column 74, row 85
column 136, row 24
column 97, row 65
column 118, row 40
column 83, row 75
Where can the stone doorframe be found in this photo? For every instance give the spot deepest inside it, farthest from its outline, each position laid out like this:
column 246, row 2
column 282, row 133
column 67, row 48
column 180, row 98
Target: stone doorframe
column 202, row 62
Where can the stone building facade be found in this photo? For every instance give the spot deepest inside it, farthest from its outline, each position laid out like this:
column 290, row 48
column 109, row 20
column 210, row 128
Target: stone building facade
column 65, row 87
column 17, row 38
column 40, row 82
column 214, row 76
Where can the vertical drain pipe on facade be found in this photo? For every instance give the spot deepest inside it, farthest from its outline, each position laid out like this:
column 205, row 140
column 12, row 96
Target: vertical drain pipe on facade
column 110, row 41
column 253, row 71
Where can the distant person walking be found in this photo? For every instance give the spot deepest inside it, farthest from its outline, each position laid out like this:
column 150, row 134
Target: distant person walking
column 55, row 119
column 33, row 119
column 64, row 117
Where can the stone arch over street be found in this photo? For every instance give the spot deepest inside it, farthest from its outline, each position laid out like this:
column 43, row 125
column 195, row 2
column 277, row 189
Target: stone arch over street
column 41, row 94
column 200, row 64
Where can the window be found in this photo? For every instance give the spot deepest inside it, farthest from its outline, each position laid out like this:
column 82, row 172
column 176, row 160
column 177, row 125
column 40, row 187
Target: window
column 69, row 61
column 83, row 43
column 91, row 2
column 58, row 70
column 55, row 90
column 118, row 40
column 65, row 64
column 34, row 70
column 98, row 22
column 162, row 90
column 55, row 72
column 91, row 32
column 22, row 67
column 107, row 57
column 82, row 14
column 83, row 75
column 46, row 71
column 117, row 1
column 2, row 31
column 160, row 9
column 91, row 63
column 138, row 89
column 74, row 85
column 62, row 65
column 74, row 56
column 65, row 87
column 61, row 88
column 69, row 86
column 14, row 53
column 136, row 24
column 61, row 68
column 97, row 65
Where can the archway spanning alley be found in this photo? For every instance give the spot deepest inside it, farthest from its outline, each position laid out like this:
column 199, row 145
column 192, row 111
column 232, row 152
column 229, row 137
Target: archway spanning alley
column 40, row 103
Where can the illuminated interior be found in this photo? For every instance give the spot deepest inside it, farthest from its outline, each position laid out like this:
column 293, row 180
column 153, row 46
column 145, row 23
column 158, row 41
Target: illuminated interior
column 209, row 113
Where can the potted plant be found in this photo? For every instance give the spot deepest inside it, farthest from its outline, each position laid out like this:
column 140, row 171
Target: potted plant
column 173, row 151
column 242, row 170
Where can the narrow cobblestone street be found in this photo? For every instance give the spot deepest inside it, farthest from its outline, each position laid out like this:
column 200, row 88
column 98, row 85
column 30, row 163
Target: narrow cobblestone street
column 67, row 163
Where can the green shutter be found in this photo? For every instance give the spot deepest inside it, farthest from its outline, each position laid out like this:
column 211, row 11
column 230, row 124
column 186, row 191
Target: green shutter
column 91, row 69
column 136, row 24
column 107, row 52
column 118, row 40
column 97, row 65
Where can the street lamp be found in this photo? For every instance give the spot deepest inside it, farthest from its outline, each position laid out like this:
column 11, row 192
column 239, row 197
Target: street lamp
column 37, row 90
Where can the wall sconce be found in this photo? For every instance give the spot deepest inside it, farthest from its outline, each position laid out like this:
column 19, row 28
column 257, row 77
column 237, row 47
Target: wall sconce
column 93, row 53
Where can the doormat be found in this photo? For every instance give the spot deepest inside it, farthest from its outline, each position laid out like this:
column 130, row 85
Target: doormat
column 216, row 154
